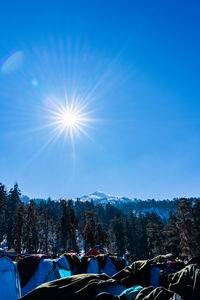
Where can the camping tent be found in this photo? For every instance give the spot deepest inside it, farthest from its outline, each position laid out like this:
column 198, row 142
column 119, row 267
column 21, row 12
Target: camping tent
column 48, row 270
column 9, row 279
column 92, row 252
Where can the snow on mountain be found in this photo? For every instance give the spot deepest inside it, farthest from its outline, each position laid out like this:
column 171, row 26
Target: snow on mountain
column 162, row 208
column 139, row 206
column 100, row 197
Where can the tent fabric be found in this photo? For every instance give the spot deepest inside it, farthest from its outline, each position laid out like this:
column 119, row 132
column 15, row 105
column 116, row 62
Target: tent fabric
column 27, row 267
column 138, row 273
column 9, row 280
column 120, row 263
column 92, row 252
column 186, row 282
column 151, row 293
column 48, row 270
column 114, row 290
column 109, row 268
column 102, row 258
column 73, row 261
column 76, row 287
column 40, row 275
column 172, row 284
column 194, row 260
column 63, row 267
column 83, row 266
column 93, row 267
column 154, row 277
column 107, row 264
column 131, row 293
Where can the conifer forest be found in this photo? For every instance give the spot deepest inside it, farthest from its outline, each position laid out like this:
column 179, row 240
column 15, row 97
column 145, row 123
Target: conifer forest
column 55, row 227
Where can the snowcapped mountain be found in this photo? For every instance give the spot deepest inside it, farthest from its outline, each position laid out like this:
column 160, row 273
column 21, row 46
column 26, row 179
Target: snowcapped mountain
column 160, row 207
column 100, row 197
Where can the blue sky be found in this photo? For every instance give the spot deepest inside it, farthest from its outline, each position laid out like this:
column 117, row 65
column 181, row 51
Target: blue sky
column 136, row 66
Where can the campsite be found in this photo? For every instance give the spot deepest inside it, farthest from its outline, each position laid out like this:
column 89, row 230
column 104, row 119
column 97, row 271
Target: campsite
column 100, row 150
column 98, row 276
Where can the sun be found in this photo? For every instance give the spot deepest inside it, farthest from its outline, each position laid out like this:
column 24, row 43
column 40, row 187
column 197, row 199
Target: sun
column 69, row 118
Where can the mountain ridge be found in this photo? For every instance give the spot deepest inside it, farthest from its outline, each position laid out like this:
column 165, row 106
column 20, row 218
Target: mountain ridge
column 163, row 208
column 100, row 196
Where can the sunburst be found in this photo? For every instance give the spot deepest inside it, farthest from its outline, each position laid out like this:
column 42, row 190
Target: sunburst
column 68, row 118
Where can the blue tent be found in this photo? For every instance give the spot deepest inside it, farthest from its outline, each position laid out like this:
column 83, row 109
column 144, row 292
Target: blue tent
column 48, row 270
column 9, row 280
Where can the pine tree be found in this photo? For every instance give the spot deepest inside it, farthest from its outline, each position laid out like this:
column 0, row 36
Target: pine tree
column 187, row 227
column 19, row 227
column 31, row 240
column 100, row 213
column 3, row 199
column 13, row 201
column 141, row 232
column 111, row 212
column 101, row 237
column 68, row 226
column 46, row 227
column 92, row 232
column 88, row 229
column 171, row 240
column 131, row 234
column 196, row 215
column 64, row 226
column 117, row 234
column 154, row 234
column 73, row 226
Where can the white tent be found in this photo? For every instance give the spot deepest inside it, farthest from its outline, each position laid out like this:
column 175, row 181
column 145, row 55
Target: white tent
column 9, row 280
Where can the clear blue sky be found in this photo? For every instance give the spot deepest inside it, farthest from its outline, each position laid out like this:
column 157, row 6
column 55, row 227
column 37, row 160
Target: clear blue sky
column 135, row 63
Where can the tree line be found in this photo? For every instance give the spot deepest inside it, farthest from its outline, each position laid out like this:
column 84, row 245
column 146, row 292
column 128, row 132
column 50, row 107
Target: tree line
column 55, row 227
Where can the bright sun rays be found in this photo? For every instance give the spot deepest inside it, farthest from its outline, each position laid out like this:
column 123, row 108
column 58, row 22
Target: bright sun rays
column 67, row 118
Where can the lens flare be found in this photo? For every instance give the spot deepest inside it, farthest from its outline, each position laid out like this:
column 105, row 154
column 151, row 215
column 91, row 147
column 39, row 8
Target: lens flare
column 12, row 61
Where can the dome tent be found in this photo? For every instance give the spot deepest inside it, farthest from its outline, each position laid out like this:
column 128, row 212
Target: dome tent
column 10, row 284
column 47, row 270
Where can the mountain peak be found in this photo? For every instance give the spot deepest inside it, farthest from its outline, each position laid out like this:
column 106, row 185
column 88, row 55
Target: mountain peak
column 100, row 196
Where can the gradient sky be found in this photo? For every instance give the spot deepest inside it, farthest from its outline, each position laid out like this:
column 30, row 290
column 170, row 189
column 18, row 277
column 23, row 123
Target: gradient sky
column 137, row 66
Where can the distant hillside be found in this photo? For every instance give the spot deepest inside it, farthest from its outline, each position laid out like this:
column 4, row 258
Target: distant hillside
column 160, row 207
column 100, row 197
